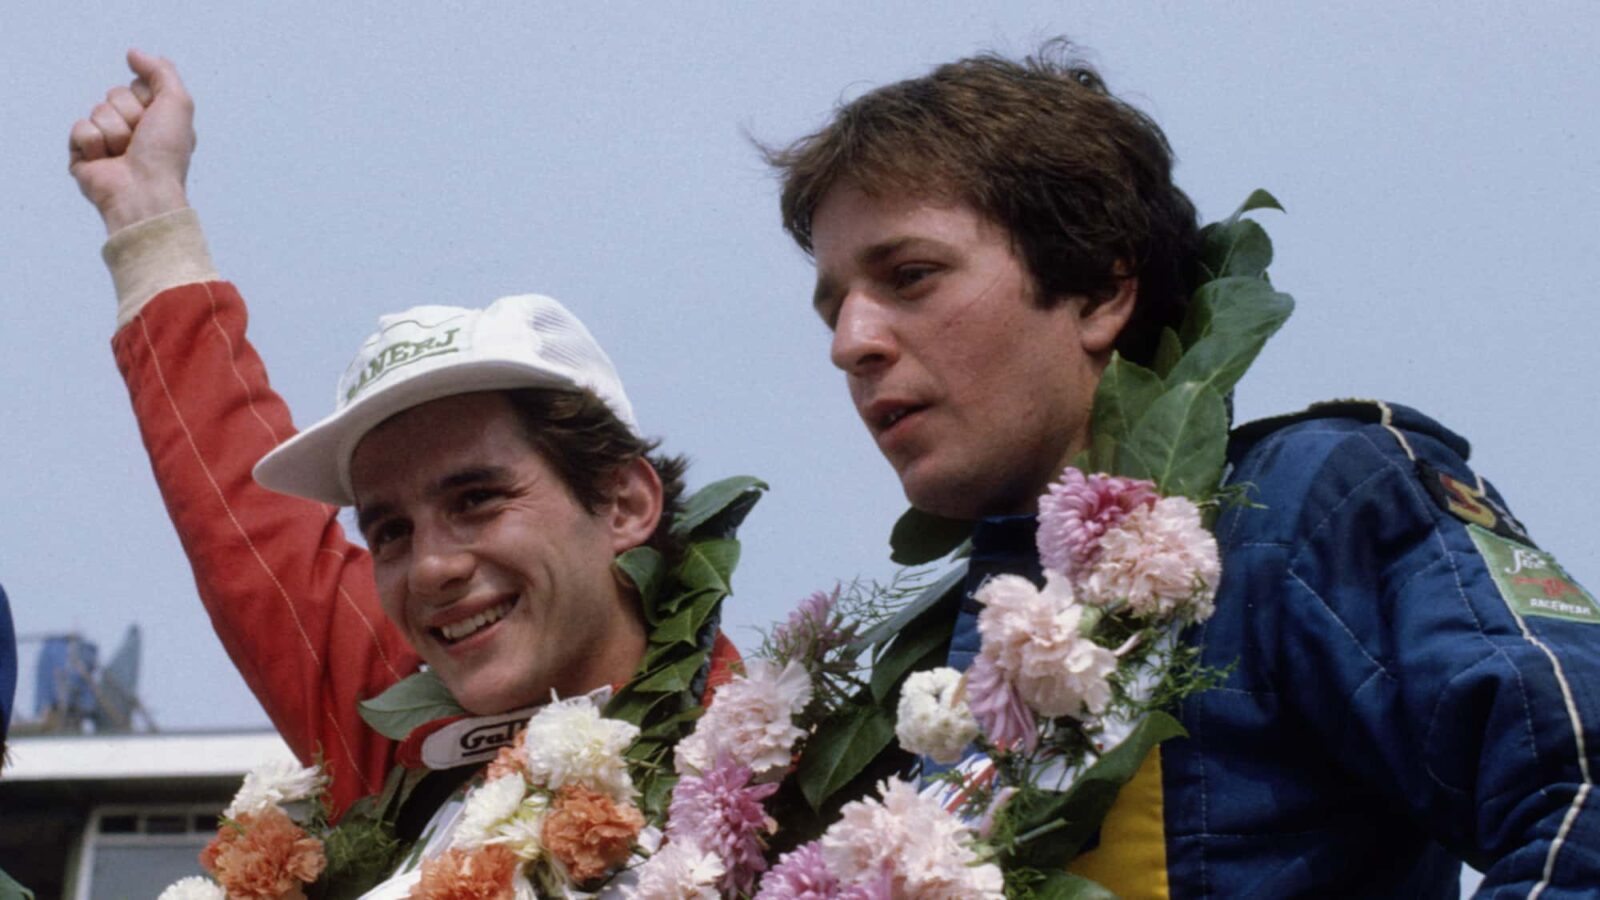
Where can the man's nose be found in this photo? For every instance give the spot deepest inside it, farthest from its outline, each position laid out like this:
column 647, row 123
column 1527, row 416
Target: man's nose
column 441, row 566
column 863, row 340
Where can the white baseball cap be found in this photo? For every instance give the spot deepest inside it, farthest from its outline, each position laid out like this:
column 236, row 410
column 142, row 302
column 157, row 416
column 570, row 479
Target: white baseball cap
column 428, row 352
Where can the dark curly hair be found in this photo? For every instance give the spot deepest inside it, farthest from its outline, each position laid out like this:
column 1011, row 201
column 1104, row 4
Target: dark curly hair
column 586, row 443
column 1080, row 180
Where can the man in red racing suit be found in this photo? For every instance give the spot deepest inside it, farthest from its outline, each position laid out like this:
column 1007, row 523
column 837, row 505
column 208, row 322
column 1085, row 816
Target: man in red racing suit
column 296, row 604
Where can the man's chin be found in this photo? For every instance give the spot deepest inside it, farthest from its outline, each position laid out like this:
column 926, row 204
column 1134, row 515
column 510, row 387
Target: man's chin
column 964, row 498
column 938, row 500
column 490, row 701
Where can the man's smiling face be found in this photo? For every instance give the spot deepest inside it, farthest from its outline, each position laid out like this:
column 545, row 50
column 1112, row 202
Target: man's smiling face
column 975, row 393
column 499, row 578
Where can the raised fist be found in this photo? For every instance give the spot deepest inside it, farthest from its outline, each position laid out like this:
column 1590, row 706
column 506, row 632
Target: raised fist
column 131, row 155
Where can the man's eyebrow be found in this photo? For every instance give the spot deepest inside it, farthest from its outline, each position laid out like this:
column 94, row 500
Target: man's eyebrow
column 868, row 257
column 366, row 515
column 470, row 476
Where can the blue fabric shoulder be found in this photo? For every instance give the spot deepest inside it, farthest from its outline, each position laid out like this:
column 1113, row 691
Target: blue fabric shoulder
column 8, row 664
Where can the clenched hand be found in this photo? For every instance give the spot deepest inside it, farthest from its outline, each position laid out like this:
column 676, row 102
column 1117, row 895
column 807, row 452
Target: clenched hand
column 130, row 157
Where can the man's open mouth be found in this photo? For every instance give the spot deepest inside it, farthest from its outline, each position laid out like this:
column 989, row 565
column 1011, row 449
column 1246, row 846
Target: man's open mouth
column 457, row 631
column 889, row 419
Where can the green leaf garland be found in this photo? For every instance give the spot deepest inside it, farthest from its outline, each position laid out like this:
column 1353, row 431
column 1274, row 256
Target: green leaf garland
column 411, row 702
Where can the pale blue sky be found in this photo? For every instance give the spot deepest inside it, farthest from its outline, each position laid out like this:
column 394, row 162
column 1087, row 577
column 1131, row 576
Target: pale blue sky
column 1438, row 162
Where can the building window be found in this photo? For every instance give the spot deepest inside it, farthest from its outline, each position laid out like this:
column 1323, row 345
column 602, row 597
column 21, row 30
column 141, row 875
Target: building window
column 139, row 851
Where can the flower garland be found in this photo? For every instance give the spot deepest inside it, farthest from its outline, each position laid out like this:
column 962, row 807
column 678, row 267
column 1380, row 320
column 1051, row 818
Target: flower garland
column 262, row 850
column 557, row 810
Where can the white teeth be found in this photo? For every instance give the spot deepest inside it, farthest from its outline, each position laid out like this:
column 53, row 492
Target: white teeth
column 455, row 631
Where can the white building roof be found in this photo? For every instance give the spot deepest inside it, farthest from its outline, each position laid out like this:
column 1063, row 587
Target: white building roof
column 94, row 757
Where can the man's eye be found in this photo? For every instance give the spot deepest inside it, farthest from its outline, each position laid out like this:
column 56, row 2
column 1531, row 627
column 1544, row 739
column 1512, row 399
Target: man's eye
column 828, row 312
column 476, row 497
column 830, row 318
column 385, row 533
column 911, row 274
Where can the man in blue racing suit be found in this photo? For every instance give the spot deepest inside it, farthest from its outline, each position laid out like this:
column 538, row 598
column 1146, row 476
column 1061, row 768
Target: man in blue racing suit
column 1410, row 681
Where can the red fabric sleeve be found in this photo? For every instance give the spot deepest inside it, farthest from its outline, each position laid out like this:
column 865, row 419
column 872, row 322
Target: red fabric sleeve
column 293, row 601
column 725, row 660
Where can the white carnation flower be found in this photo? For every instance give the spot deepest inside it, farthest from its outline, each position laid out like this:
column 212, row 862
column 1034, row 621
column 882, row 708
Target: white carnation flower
column 521, row 833
column 274, row 784
column 569, row 742
column 193, row 888
column 933, row 719
column 680, row 871
column 488, row 806
column 752, row 721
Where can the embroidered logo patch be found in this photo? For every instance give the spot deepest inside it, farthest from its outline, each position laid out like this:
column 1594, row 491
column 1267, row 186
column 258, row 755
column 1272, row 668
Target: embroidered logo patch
column 1470, row 505
column 1532, row 581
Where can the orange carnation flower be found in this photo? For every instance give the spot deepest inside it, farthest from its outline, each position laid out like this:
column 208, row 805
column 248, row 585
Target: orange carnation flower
column 486, row 874
column 265, row 857
column 511, row 760
column 588, row 833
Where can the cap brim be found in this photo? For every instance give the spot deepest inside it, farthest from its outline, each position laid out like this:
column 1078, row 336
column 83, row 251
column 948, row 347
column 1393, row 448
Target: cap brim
column 316, row 462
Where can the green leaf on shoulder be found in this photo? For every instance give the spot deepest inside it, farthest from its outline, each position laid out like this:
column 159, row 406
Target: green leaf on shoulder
column 842, row 746
column 1067, row 886
column 683, row 626
column 672, row 677
column 1168, row 351
column 1258, row 199
column 1180, row 443
column 1126, row 392
column 708, row 565
column 412, row 701
column 1236, row 245
column 1235, row 318
column 1236, row 248
column 947, row 589
column 920, row 538
column 718, row 507
column 645, row 568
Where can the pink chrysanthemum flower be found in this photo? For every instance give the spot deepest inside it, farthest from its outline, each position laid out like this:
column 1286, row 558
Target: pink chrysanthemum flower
column 1161, row 561
column 801, row 874
column 1038, row 640
column 1005, row 719
column 752, row 720
column 720, row 811
column 812, row 630
column 925, row 850
column 876, row 886
column 1078, row 509
column 678, row 871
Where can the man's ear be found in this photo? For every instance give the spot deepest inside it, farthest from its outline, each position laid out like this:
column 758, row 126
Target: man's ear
column 636, row 501
column 1100, row 322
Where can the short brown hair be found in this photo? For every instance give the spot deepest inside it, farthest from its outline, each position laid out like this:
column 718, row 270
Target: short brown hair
column 586, row 443
column 1079, row 179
